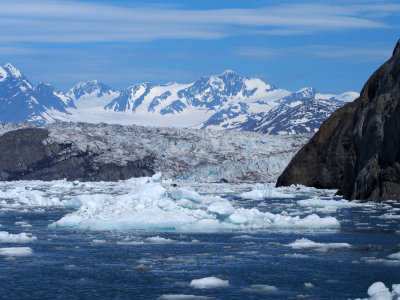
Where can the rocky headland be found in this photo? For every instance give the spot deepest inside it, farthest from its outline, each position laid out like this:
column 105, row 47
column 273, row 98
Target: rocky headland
column 357, row 149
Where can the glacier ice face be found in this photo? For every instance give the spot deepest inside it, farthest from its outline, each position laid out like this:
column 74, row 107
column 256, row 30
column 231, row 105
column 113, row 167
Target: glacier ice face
column 148, row 206
column 188, row 154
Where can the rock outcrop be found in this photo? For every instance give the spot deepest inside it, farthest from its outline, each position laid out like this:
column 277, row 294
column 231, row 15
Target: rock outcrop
column 357, row 149
column 25, row 154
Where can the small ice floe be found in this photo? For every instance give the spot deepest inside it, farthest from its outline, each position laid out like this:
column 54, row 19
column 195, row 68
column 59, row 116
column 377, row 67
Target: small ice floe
column 244, row 236
column 296, row 255
column 23, row 224
column 269, row 191
column 389, row 216
column 20, row 238
column 183, row 297
column 394, row 256
column 324, row 205
column 386, row 262
column 308, row 285
column 99, row 241
column 260, row 288
column 378, row 291
column 209, row 283
column 16, row 251
column 158, row 240
column 304, row 243
column 128, row 241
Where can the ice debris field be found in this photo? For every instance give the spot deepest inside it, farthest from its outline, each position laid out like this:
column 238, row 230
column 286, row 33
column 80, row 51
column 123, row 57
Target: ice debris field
column 193, row 240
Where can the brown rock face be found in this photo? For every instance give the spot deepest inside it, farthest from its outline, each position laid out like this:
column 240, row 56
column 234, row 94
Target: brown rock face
column 25, row 155
column 357, row 149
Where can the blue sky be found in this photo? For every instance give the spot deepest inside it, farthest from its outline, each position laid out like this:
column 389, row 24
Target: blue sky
column 333, row 46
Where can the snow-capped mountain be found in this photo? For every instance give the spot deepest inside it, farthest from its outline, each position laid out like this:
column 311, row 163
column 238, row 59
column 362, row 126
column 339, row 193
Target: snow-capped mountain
column 228, row 101
column 20, row 101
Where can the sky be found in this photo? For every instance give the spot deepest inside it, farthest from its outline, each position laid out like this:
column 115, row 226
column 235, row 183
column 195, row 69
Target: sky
column 333, row 46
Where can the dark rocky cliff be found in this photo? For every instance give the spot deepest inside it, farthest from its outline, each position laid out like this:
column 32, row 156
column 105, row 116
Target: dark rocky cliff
column 357, row 149
column 25, row 154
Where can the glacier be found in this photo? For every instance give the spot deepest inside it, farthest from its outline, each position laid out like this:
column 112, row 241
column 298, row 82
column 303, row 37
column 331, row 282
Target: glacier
column 188, row 154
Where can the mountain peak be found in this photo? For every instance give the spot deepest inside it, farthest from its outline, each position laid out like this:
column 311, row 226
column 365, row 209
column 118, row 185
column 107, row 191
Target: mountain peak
column 12, row 70
column 228, row 72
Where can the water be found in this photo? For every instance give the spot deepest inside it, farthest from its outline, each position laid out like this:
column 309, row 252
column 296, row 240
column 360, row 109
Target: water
column 82, row 264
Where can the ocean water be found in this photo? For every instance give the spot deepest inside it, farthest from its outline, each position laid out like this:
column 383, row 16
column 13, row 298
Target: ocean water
column 280, row 262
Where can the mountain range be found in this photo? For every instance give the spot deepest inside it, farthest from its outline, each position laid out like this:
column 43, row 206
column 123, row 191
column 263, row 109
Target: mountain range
column 226, row 101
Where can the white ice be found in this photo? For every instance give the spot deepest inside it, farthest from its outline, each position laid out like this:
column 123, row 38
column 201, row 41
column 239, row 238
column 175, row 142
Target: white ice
column 182, row 297
column 209, row 283
column 304, row 243
column 149, row 206
column 395, row 256
column 324, row 205
column 16, row 251
column 21, row 238
column 378, row 291
column 269, row 191
column 260, row 288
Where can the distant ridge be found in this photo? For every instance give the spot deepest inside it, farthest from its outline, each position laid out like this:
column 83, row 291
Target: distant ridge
column 228, row 101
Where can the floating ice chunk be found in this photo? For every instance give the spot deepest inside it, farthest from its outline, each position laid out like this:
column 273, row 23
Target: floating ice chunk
column 243, row 236
column 296, row 255
column 395, row 256
column 378, row 291
column 158, row 240
column 267, row 192
column 209, row 283
column 21, row 238
column 16, row 251
column 147, row 206
column 304, row 243
column 389, row 216
column 260, row 288
column 99, row 241
column 183, row 297
column 308, row 285
column 386, row 262
column 327, row 205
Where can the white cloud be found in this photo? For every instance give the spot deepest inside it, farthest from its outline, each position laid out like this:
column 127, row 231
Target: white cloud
column 73, row 21
column 357, row 54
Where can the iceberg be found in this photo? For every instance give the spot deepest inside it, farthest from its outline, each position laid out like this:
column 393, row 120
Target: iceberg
column 149, row 206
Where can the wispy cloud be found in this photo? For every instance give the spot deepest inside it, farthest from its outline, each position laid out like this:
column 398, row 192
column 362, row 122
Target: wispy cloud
column 358, row 54
column 78, row 21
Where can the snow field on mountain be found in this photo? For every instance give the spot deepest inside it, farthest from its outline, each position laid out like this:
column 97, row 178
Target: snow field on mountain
column 227, row 101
